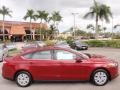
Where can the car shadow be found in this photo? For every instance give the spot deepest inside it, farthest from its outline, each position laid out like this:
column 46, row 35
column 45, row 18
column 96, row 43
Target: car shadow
column 60, row 82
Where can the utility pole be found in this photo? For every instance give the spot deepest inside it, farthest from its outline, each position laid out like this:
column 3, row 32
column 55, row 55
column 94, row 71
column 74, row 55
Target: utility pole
column 112, row 27
column 74, row 26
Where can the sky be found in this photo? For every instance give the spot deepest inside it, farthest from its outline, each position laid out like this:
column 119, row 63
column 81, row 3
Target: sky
column 66, row 8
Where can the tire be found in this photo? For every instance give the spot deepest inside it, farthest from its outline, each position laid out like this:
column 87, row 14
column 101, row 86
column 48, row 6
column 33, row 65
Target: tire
column 100, row 77
column 76, row 48
column 2, row 59
column 23, row 79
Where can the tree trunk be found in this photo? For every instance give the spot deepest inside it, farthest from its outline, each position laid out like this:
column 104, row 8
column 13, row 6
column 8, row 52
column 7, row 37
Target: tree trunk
column 54, row 30
column 57, row 30
column 41, row 30
column 31, row 29
column 96, row 32
column 3, row 27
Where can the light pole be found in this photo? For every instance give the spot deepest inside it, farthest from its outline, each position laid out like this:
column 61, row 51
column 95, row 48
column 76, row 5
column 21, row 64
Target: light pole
column 74, row 26
column 112, row 27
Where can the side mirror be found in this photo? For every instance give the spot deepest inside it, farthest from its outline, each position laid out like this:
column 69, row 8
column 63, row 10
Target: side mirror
column 89, row 55
column 78, row 60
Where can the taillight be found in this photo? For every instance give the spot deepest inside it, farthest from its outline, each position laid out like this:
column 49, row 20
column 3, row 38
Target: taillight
column 4, row 62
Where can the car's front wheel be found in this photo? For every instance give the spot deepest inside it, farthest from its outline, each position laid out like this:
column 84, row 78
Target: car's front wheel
column 23, row 79
column 100, row 77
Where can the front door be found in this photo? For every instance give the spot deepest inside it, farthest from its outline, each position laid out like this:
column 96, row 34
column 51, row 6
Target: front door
column 70, row 69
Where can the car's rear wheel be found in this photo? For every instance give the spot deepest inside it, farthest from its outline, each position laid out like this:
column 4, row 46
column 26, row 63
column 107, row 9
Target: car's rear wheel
column 23, row 79
column 100, row 77
column 76, row 48
column 2, row 58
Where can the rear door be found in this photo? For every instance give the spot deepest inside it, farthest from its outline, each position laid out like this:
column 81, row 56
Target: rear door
column 42, row 65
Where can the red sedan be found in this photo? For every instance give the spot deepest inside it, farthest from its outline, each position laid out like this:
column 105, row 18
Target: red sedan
column 57, row 63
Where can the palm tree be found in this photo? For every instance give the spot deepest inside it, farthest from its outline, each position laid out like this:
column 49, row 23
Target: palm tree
column 47, row 19
column 104, row 28
column 4, row 11
column 56, row 18
column 42, row 15
column 51, row 32
column 99, row 11
column 105, row 13
column 116, row 26
column 30, row 14
column 90, row 26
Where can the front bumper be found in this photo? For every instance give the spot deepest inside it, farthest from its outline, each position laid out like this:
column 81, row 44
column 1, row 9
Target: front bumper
column 114, row 71
column 82, row 47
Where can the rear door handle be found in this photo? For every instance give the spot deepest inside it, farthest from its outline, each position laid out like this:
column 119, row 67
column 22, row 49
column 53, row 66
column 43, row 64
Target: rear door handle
column 31, row 62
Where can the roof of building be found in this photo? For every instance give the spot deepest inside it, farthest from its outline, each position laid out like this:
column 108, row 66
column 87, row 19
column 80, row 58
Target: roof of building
column 24, row 24
column 17, row 30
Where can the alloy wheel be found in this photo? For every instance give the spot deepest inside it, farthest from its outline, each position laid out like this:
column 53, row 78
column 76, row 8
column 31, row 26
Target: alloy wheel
column 23, row 79
column 100, row 77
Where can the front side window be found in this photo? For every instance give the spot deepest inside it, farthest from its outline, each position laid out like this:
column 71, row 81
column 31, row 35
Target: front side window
column 39, row 55
column 64, row 55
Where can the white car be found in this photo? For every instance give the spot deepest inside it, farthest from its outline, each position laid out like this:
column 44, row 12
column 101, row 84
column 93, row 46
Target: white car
column 40, row 43
column 11, row 46
column 3, row 52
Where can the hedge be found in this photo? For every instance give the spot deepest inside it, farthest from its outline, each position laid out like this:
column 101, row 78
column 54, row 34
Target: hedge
column 104, row 43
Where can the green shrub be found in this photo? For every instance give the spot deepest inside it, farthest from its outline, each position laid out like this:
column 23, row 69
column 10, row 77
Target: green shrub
column 60, row 38
column 95, row 43
column 70, row 40
column 116, row 37
column 50, row 42
column 104, row 43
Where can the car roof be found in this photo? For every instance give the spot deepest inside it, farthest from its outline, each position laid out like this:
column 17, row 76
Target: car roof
column 44, row 48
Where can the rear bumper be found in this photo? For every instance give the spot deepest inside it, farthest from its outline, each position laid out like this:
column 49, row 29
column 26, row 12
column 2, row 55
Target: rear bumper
column 8, row 72
column 8, row 78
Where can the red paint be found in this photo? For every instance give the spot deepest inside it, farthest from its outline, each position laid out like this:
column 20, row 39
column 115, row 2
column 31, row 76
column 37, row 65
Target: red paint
column 57, row 69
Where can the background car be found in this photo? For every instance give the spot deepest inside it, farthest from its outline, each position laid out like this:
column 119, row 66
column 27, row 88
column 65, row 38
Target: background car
column 11, row 46
column 79, row 45
column 32, row 45
column 62, row 44
column 40, row 43
column 3, row 52
column 57, row 63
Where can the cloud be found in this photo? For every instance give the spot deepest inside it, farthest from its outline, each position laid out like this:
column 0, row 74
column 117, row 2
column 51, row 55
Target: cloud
column 66, row 7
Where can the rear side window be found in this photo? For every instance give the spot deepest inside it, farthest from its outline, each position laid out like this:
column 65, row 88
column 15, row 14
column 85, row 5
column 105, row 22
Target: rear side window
column 40, row 55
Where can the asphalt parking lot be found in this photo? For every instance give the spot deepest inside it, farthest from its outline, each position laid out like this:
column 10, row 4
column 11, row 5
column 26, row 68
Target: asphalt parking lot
column 113, row 85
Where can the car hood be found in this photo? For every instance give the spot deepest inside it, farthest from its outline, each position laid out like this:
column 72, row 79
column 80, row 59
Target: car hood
column 82, row 44
column 102, row 60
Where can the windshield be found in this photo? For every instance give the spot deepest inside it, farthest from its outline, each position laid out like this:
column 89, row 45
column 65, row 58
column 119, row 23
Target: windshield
column 79, row 42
